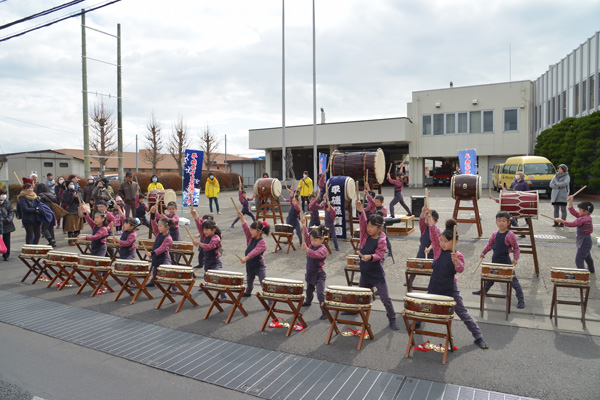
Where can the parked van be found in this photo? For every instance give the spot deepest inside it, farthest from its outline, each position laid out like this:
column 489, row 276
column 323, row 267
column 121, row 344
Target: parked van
column 539, row 171
column 496, row 176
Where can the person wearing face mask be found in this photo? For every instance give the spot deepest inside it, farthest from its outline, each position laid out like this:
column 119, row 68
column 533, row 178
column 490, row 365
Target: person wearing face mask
column 305, row 186
column 7, row 226
column 88, row 189
column 155, row 184
column 211, row 190
column 58, row 191
column 73, row 223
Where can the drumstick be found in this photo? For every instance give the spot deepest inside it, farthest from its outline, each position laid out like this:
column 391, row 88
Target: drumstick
column 454, row 239
column 144, row 246
column 16, row 176
column 478, row 265
column 239, row 258
column 367, row 180
column 235, row 205
column 189, row 233
column 71, row 238
column 543, row 215
column 427, row 197
column 359, row 253
column 390, row 170
column 579, row 191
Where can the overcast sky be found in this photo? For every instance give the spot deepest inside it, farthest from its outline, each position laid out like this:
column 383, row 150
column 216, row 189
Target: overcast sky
column 218, row 63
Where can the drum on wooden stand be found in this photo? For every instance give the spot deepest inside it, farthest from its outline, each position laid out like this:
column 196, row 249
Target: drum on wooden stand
column 35, row 250
column 351, row 297
column 285, row 228
column 419, row 264
column 493, row 270
column 133, row 267
column 62, row 257
column 182, row 247
column 355, row 164
column 282, row 288
column 87, row 262
column 146, row 244
column 353, row 261
column 156, row 196
column 466, row 186
column 171, row 273
column 520, row 204
column 425, row 305
column 570, row 275
column 217, row 278
column 267, row 188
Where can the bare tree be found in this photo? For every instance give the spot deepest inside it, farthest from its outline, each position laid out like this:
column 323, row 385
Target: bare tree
column 153, row 154
column 209, row 143
column 179, row 142
column 103, row 139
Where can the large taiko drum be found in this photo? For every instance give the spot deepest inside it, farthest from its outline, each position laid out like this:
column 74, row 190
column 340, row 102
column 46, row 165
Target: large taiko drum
column 282, row 288
column 267, row 188
column 133, row 267
column 350, row 297
column 466, row 186
column 494, row 270
column 171, row 273
column 35, row 250
column 335, row 183
column 419, row 264
column 570, row 275
column 520, row 204
column 156, row 196
column 355, row 164
column 62, row 257
column 220, row 279
column 432, row 306
column 87, row 262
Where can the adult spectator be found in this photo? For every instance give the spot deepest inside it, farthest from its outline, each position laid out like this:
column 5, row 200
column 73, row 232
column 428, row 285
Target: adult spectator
column 127, row 191
column 100, row 193
column 7, row 226
column 30, row 213
column 88, row 189
column 75, row 179
column 155, row 184
column 50, row 182
column 560, row 192
column 518, row 185
column 108, row 187
column 211, row 190
column 305, row 186
column 73, row 222
column 47, row 197
column 59, row 189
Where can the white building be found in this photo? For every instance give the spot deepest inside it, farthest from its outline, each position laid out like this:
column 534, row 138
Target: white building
column 497, row 120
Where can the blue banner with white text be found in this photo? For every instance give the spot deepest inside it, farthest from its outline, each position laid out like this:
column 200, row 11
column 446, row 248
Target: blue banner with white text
column 192, row 175
column 468, row 162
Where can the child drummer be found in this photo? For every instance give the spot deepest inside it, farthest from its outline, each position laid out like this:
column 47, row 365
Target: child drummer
column 372, row 252
column 584, row 226
column 245, row 202
column 254, row 255
column 294, row 215
column 316, row 253
column 503, row 242
column 443, row 277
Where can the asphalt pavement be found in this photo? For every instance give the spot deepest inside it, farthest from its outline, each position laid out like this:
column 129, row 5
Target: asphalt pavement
column 528, row 355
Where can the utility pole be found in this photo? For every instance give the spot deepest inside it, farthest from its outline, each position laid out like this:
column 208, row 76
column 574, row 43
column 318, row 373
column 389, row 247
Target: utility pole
column 136, row 155
column 86, row 128
column 120, row 108
column 226, row 153
column 315, row 155
column 283, row 151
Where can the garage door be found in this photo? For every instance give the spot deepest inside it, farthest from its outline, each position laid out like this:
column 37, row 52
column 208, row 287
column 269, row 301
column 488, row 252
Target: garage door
column 493, row 160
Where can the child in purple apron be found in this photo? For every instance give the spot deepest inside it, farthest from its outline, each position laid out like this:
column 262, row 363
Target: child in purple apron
column 374, row 206
column 199, row 223
column 254, row 255
column 171, row 215
column 584, row 231
column 443, row 277
column 245, row 202
column 313, row 208
column 128, row 239
column 99, row 233
column 210, row 242
column 316, row 253
column 160, row 251
column 503, row 242
column 372, row 248
column 330, row 222
column 294, row 215
column 398, row 198
column 141, row 209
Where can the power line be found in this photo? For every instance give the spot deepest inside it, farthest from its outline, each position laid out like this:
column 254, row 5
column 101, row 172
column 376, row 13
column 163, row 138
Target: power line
column 46, row 12
column 73, row 15
column 41, row 126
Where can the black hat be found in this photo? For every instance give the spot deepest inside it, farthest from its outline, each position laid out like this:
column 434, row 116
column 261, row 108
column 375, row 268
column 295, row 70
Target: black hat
column 128, row 173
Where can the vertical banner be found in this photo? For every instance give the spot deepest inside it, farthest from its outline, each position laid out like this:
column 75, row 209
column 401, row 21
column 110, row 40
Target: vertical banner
column 322, row 163
column 192, row 174
column 468, row 162
column 337, row 198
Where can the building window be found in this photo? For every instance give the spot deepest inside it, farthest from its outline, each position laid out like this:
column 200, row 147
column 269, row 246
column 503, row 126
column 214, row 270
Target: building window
column 426, row 124
column 488, row 121
column 591, row 107
column 450, row 123
column 63, row 165
column 563, row 112
column 511, row 120
column 584, row 95
column 48, row 164
column 438, row 124
column 462, row 123
column 475, row 122
column 576, row 100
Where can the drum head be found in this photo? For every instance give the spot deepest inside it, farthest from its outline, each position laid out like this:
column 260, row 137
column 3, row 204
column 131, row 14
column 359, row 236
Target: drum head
column 220, row 272
column 478, row 187
column 428, row 297
column 256, row 187
column 350, row 188
column 282, row 280
column 379, row 166
column 350, row 289
column 170, row 196
column 276, row 188
column 452, row 183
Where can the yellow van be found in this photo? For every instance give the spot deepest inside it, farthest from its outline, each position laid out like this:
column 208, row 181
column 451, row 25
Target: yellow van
column 496, row 176
column 539, row 171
